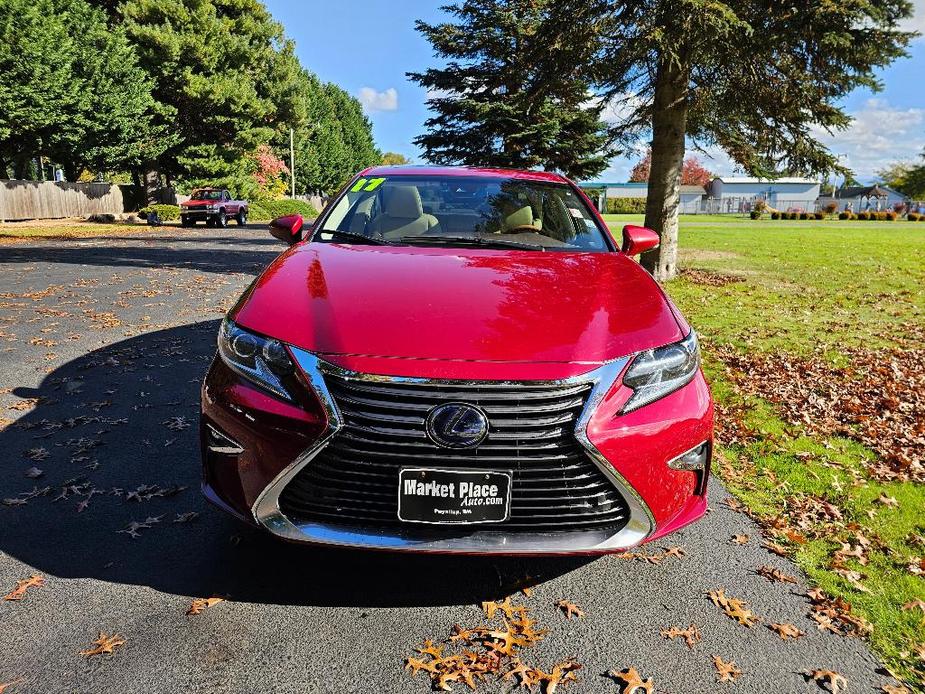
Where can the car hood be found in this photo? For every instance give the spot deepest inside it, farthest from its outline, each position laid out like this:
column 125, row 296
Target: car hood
column 458, row 304
column 199, row 203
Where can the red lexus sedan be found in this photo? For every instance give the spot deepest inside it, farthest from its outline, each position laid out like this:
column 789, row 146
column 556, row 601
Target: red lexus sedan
column 458, row 360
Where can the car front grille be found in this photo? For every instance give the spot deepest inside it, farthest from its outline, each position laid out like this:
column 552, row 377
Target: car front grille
column 555, row 486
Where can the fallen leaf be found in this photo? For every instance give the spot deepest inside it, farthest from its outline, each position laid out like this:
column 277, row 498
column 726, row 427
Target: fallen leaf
column 444, row 679
column 6, row 685
column 777, row 549
column 887, row 500
column 894, row 689
column 200, row 604
column 916, row 604
column 569, row 609
column 632, row 682
column 186, row 517
column 417, row 664
column 19, row 592
column 37, row 454
column 733, row 607
column 725, row 672
column 836, row 683
column 561, row 673
column 740, row 539
column 509, row 610
column 786, row 631
column 773, row 574
column 104, row 644
column 691, row 635
column 176, row 423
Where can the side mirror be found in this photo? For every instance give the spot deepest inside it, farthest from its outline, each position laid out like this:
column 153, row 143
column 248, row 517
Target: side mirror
column 287, row 228
column 637, row 240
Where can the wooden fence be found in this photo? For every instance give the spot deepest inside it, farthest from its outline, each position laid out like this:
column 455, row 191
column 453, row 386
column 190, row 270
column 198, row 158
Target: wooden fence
column 54, row 199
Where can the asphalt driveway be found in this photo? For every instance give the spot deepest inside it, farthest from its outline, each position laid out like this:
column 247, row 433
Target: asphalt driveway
column 103, row 343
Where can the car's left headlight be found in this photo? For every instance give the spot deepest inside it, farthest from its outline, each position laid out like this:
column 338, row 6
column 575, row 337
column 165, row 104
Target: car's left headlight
column 655, row 373
column 263, row 361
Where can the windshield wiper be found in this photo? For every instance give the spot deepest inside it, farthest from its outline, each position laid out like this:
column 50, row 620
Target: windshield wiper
column 363, row 238
column 470, row 241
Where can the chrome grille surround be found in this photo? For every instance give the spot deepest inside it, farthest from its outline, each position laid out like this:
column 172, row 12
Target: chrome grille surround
column 594, row 384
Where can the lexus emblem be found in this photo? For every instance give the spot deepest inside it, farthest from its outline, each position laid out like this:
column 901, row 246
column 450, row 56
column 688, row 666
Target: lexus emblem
column 456, row 425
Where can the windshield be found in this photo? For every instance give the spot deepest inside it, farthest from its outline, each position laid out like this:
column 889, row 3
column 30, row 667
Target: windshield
column 207, row 195
column 463, row 211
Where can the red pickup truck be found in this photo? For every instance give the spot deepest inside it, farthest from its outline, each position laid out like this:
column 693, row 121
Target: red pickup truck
column 214, row 206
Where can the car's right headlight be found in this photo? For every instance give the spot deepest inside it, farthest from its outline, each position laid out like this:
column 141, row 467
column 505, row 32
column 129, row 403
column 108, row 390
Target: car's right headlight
column 655, row 373
column 261, row 360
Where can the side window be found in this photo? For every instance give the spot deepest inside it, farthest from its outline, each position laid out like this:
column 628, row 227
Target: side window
column 226, row 195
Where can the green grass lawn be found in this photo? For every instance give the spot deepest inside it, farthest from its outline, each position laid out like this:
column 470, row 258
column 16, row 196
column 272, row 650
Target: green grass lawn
column 816, row 290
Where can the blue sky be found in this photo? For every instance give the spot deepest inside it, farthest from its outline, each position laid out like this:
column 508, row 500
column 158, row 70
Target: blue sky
column 367, row 47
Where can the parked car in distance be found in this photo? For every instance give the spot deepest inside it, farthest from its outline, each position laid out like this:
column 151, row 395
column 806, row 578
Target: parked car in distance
column 458, row 360
column 213, row 206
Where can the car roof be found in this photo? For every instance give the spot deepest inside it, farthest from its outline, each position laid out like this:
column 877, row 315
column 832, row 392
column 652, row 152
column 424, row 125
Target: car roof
column 416, row 170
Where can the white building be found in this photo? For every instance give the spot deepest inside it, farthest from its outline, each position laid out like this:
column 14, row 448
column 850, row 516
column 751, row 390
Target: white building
column 739, row 194
column 861, row 198
column 691, row 196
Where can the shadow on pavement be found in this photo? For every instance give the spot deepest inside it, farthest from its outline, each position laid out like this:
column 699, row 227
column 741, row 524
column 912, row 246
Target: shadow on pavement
column 125, row 416
column 156, row 251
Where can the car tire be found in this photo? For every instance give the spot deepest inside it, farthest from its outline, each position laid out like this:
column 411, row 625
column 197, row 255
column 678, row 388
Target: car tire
column 241, row 217
column 221, row 219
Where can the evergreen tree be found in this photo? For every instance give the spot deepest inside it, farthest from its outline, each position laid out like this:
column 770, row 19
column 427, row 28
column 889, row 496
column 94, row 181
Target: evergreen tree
column 71, row 90
column 334, row 141
column 37, row 94
column 227, row 76
column 515, row 88
column 114, row 127
column 754, row 77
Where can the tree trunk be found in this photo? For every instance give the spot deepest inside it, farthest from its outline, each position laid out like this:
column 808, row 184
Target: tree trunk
column 152, row 183
column 669, row 126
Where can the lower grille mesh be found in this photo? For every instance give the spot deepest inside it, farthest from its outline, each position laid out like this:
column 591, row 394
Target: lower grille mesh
column 555, row 486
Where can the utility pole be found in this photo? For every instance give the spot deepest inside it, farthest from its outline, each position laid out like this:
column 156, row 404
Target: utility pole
column 292, row 159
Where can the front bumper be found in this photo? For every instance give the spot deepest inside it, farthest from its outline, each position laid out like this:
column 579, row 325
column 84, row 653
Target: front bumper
column 254, row 445
column 197, row 215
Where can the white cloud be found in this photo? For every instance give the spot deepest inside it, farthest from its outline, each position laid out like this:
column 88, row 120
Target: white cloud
column 917, row 22
column 373, row 100
column 879, row 135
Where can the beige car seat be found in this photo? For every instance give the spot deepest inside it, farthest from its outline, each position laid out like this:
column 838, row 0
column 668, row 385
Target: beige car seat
column 403, row 215
column 519, row 217
column 361, row 215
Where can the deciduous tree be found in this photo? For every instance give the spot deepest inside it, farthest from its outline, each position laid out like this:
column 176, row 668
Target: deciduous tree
column 227, row 75
column 754, row 77
column 693, row 172
column 394, row 159
column 905, row 177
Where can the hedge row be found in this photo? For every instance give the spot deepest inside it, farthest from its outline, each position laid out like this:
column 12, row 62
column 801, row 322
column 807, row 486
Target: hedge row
column 870, row 216
column 626, row 205
column 166, row 213
column 792, row 215
column 271, row 209
column 885, row 216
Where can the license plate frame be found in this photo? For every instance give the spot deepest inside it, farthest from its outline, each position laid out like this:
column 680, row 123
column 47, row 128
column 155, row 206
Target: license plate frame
column 458, row 506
